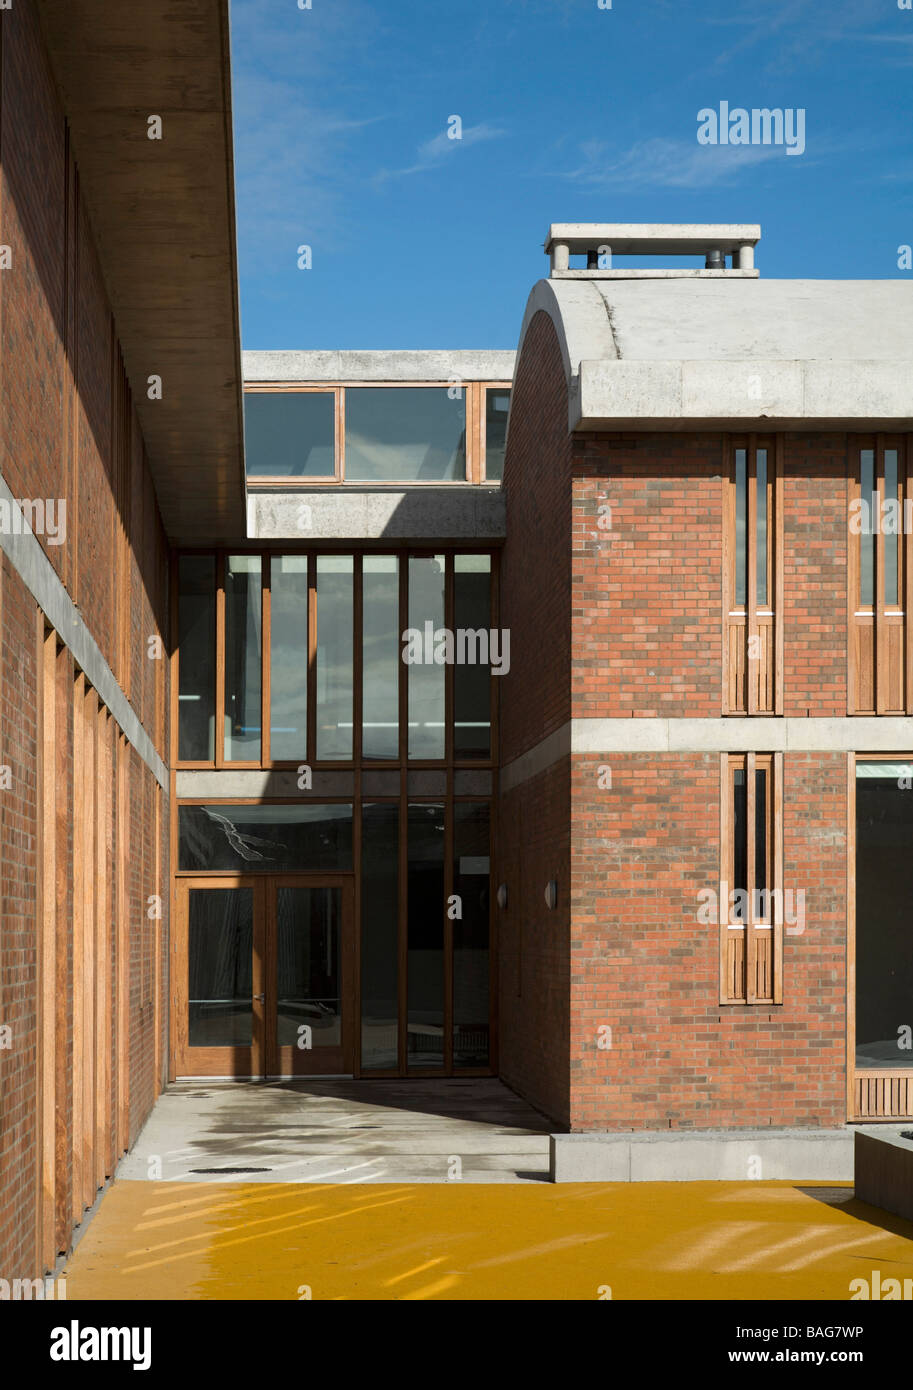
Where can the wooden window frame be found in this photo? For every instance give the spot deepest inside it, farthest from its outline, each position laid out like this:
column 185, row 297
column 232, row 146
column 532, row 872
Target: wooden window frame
column 402, row 555
column 474, row 400
column 745, row 946
column 746, row 627
column 483, row 422
column 872, row 1093
column 879, row 646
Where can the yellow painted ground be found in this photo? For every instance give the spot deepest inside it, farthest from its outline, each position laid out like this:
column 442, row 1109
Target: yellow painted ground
column 159, row 1240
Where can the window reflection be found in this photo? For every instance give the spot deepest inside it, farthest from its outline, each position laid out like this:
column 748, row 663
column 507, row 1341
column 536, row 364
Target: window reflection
column 243, row 646
column 288, row 657
column 197, row 665
column 426, row 677
column 405, row 434
column 380, row 657
column 497, row 405
column 334, row 656
column 290, row 434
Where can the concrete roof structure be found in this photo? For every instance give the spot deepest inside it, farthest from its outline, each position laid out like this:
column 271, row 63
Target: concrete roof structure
column 677, row 354
column 378, row 365
column 164, row 221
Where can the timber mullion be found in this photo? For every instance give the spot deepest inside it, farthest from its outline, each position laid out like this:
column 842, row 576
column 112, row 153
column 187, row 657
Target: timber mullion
column 776, row 797
column 751, row 940
column 725, row 872
column 751, row 586
column 881, row 654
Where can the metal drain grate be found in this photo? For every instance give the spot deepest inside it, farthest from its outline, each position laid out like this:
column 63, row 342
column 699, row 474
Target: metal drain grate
column 231, row 1170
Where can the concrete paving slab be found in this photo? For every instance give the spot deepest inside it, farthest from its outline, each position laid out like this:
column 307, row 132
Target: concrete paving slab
column 341, row 1131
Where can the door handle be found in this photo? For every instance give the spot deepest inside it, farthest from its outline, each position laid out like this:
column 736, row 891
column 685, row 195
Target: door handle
column 261, row 997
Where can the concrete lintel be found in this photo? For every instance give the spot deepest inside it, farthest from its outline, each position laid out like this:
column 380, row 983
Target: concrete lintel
column 395, row 365
column 423, row 513
column 703, row 1156
column 247, row 782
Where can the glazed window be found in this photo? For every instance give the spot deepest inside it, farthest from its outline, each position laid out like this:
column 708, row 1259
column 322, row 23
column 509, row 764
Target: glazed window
column 751, row 899
column 751, row 619
column 406, row 434
column 497, row 406
column 290, row 434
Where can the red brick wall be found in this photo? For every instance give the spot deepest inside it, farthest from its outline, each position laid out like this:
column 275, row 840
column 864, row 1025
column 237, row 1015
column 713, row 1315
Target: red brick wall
column 534, row 942
column 58, row 407
column 645, row 967
column 535, row 581
column 535, row 589
column 647, row 615
column 815, row 538
column 18, row 945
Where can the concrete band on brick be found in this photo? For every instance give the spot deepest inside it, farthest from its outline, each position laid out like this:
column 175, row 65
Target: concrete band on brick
column 860, row 734
column 37, row 574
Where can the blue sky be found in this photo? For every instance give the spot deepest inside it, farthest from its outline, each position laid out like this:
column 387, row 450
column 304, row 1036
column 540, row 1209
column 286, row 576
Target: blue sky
column 569, row 112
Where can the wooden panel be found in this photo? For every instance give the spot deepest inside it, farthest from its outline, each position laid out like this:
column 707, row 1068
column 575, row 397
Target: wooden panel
column 123, row 947
column 90, row 714
column 102, row 962
column 79, row 874
column 47, row 1048
column 883, row 1096
column 63, row 1058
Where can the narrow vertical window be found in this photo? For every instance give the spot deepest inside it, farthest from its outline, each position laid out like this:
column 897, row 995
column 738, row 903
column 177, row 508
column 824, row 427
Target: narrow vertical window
column 288, row 657
column 472, row 670
column 243, row 646
column 751, row 900
column 425, row 672
column 880, row 677
column 891, row 528
column 335, row 674
column 381, row 661
column 196, row 658
column 741, row 508
column 867, row 532
column 751, row 620
column 425, row 928
column 497, row 407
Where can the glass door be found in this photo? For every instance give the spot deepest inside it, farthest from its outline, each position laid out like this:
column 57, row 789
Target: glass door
column 310, row 973
column 219, row 993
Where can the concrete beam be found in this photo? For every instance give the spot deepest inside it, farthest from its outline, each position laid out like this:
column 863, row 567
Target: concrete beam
column 380, row 366
column 459, row 511
column 162, row 212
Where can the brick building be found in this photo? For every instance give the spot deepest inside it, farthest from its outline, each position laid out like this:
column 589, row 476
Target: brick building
column 347, row 732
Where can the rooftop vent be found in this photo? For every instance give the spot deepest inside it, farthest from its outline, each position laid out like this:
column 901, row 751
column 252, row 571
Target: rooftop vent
column 601, row 242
